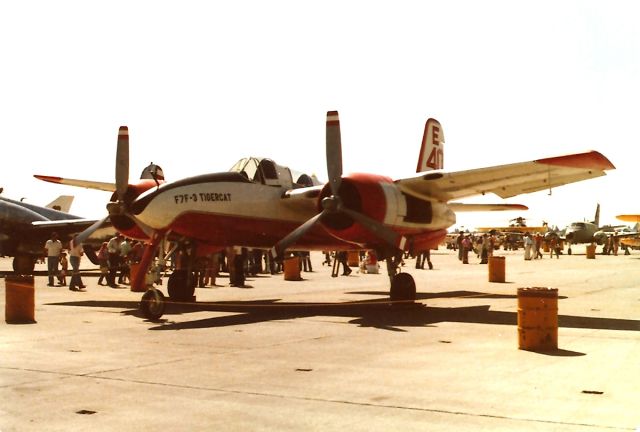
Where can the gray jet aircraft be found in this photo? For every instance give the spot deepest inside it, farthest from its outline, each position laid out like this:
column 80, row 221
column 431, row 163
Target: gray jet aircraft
column 24, row 229
column 592, row 232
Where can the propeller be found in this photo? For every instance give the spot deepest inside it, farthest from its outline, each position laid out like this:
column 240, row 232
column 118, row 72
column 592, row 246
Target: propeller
column 120, row 206
column 333, row 204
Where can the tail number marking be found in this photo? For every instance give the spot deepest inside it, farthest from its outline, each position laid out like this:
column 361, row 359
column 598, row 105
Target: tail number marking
column 435, row 159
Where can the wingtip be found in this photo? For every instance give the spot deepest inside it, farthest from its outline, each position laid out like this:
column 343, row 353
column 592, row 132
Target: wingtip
column 588, row 160
column 49, row 179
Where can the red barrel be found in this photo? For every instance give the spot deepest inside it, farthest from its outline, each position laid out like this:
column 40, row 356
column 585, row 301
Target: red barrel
column 19, row 300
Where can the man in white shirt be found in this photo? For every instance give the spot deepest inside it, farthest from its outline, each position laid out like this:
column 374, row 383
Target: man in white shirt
column 52, row 248
column 75, row 254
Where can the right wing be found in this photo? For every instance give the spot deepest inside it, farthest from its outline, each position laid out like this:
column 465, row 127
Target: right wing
column 507, row 180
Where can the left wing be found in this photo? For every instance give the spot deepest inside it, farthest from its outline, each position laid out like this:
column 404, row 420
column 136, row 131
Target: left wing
column 507, row 180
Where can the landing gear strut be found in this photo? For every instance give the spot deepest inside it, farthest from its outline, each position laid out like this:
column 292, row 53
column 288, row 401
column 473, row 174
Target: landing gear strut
column 403, row 287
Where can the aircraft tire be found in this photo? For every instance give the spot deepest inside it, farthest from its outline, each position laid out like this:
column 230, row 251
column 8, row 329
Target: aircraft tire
column 403, row 288
column 23, row 264
column 569, row 251
column 152, row 304
column 181, row 285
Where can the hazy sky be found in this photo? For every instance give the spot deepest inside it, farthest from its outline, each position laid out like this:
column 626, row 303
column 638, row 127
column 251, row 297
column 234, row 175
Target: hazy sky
column 203, row 83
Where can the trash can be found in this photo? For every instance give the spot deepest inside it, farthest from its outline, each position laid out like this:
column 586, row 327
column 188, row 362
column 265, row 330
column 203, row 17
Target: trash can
column 496, row 268
column 19, row 300
column 591, row 251
column 292, row 269
column 537, row 319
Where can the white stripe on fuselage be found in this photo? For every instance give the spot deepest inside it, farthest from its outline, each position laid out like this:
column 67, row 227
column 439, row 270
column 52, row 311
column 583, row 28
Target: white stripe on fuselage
column 223, row 198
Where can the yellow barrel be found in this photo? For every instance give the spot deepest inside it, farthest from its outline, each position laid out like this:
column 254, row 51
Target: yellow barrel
column 19, row 299
column 292, row 269
column 591, row 251
column 496, row 268
column 537, row 318
column 134, row 268
column 353, row 258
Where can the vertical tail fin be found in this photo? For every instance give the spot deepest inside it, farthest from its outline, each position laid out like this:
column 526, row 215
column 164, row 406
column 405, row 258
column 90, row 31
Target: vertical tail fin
column 596, row 220
column 432, row 150
column 62, row 203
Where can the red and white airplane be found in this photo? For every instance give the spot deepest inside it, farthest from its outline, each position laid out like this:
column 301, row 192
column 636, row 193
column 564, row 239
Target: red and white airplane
column 257, row 204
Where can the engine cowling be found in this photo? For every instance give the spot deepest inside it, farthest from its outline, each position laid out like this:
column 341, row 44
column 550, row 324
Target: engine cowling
column 123, row 223
column 379, row 198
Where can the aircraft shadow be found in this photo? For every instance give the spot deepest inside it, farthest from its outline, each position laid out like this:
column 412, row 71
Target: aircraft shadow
column 370, row 313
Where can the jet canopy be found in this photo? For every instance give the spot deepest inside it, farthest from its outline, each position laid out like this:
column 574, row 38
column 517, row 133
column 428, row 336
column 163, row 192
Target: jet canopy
column 267, row 172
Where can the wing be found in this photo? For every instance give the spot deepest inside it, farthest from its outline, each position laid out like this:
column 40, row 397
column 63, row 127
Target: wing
column 508, row 180
column 72, row 227
column 109, row 187
column 462, row 207
column 629, row 217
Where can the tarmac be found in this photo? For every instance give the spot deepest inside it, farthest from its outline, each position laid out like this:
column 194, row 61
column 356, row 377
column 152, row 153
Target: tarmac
column 331, row 354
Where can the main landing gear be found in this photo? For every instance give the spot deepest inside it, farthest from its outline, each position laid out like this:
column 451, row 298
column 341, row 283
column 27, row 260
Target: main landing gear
column 403, row 287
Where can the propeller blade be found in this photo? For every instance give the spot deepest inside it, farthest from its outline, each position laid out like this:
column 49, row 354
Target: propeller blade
column 294, row 236
column 84, row 235
column 122, row 162
column 334, row 151
column 378, row 229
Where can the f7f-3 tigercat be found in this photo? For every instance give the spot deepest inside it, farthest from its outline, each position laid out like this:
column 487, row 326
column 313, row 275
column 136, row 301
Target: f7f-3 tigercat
column 257, row 204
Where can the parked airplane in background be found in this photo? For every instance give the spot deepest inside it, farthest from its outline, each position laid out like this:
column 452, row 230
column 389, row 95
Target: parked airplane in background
column 592, row 232
column 24, row 228
column 259, row 205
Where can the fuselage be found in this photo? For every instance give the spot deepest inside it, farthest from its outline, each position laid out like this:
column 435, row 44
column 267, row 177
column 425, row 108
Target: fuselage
column 227, row 209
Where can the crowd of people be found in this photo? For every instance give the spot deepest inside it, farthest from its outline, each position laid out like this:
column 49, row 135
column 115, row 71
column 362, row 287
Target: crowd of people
column 115, row 258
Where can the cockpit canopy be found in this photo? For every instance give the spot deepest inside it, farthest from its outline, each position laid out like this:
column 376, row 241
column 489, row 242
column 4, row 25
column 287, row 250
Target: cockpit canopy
column 267, row 172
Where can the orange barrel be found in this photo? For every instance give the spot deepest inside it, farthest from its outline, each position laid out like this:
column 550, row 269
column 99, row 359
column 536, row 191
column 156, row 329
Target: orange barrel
column 353, row 258
column 20, row 301
column 591, row 251
column 545, row 247
column 496, row 268
column 134, row 268
column 537, row 319
column 292, row 269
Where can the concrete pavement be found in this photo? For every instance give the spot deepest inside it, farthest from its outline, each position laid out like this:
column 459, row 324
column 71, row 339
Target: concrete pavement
column 329, row 354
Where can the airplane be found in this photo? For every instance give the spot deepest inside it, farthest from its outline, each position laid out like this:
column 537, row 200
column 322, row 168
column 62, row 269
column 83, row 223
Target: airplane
column 592, row 232
column 258, row 205
column 24, row 228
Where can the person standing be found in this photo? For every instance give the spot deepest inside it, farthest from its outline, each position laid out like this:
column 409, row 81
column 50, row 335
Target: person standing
column 528, row 246
column 125, row 250
column 75, row 254
column 53, row 247
column 103, row 260
column 113, row 250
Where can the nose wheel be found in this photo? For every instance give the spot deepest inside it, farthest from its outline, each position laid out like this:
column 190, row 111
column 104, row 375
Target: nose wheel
column 152, row 304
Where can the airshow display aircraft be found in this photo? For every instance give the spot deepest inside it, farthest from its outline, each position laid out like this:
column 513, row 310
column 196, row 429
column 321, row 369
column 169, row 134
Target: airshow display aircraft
column 24, row 228
column 592, row 232
column 258, row 205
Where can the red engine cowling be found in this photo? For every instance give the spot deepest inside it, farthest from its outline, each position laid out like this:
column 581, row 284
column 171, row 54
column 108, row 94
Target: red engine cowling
column 123, row 223
column 363, row 193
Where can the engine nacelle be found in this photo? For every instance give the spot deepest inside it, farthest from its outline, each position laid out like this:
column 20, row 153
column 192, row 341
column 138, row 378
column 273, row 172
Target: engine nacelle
column 380, row 199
